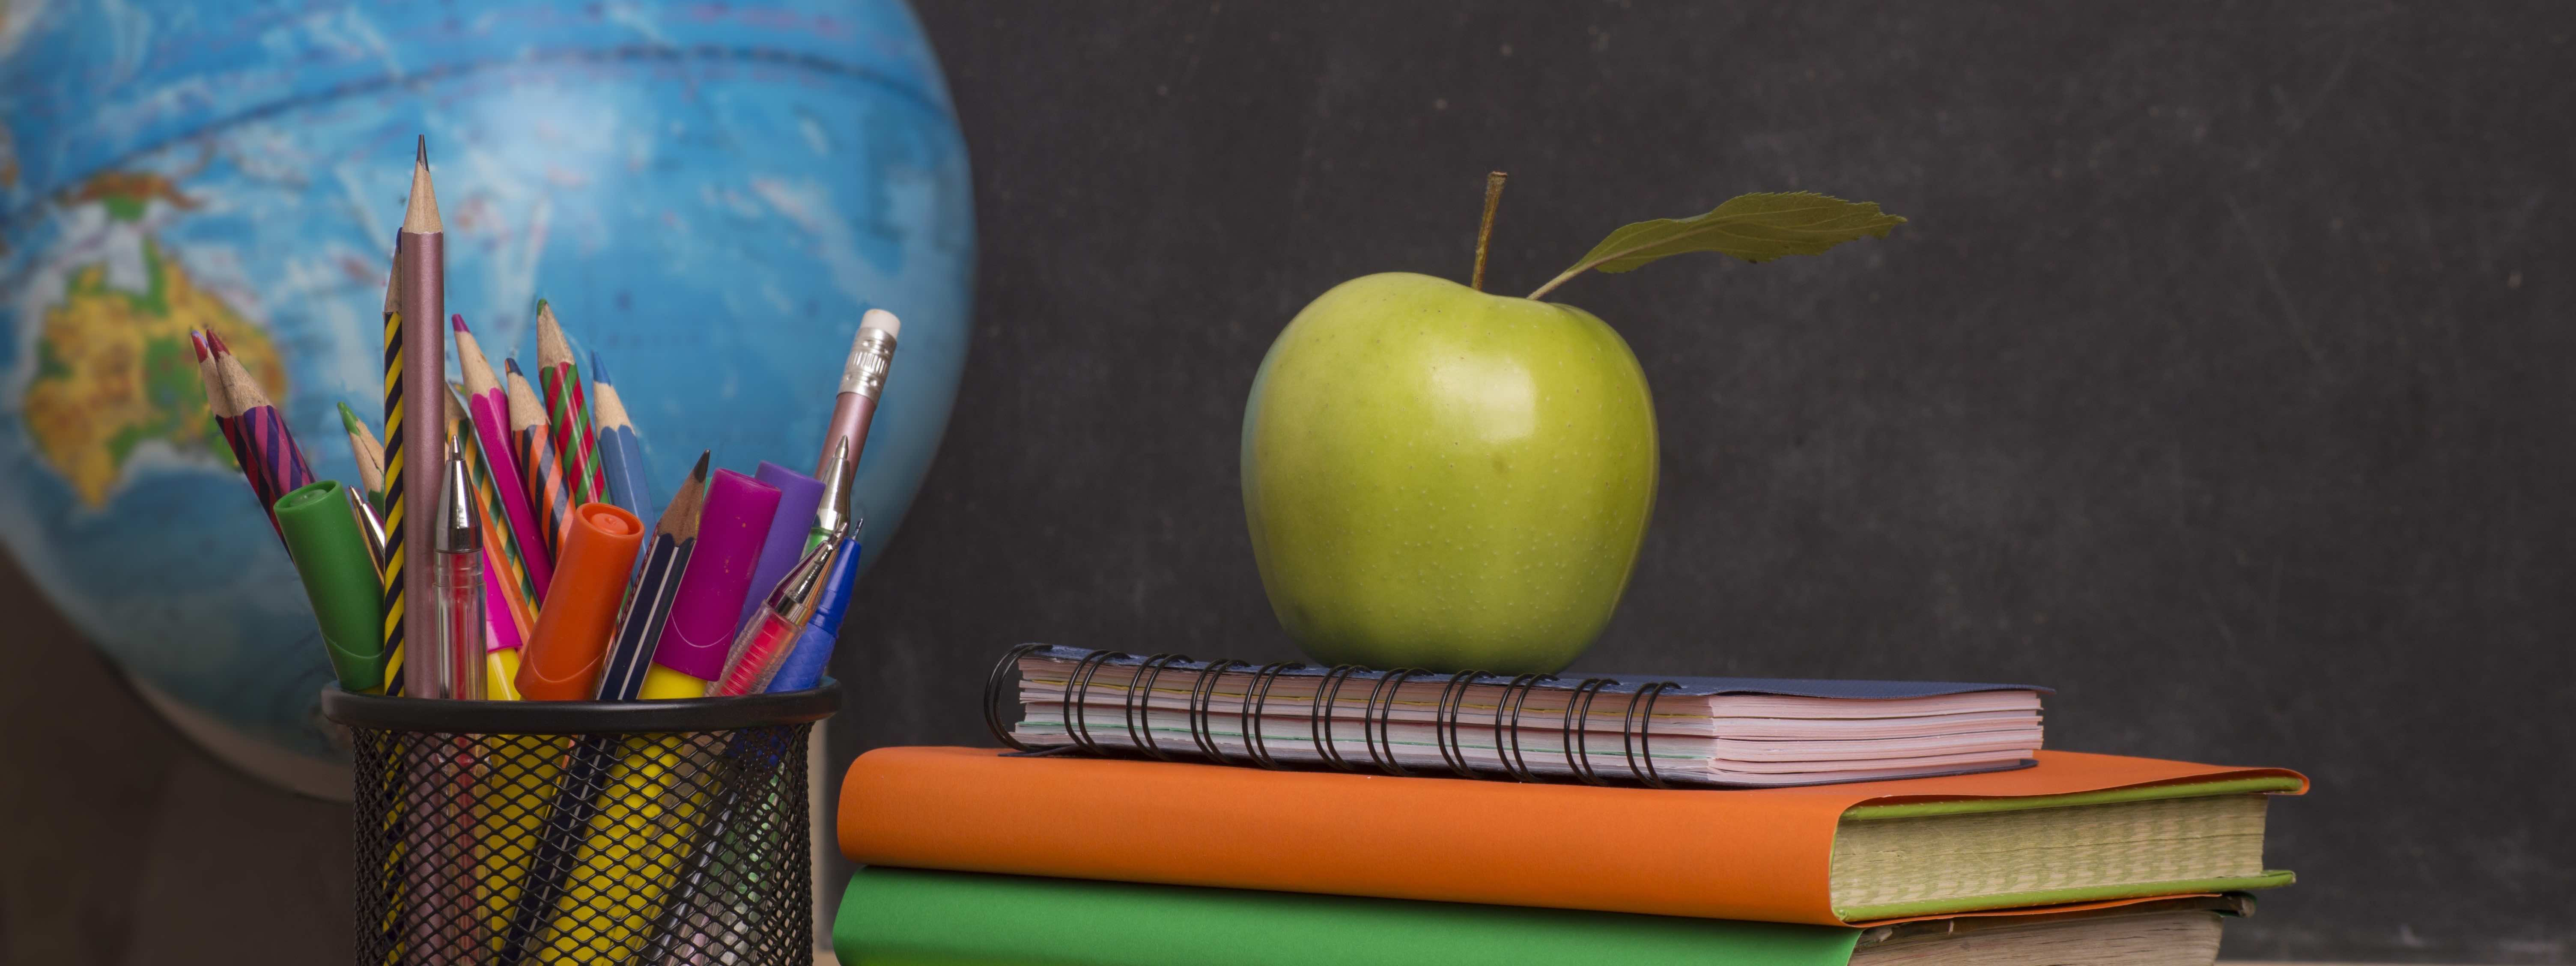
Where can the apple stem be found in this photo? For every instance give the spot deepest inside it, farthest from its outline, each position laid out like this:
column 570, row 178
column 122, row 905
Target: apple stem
column 1485, row 231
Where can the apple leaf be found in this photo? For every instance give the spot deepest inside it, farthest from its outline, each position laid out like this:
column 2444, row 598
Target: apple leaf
column 1756, row 228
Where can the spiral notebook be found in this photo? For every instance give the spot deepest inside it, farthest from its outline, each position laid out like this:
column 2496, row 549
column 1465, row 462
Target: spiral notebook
column 1649, row 730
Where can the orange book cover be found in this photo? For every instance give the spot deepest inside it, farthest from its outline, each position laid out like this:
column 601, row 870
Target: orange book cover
column 1756, row 854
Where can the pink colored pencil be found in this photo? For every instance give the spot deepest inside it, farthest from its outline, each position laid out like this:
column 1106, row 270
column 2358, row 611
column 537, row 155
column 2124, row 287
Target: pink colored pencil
column 489, row 405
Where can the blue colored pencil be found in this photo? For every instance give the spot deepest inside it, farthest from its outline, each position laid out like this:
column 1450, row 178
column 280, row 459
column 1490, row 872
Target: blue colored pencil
column 621, row 456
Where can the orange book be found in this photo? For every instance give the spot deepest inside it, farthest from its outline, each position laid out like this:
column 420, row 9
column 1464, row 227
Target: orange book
column 1847, row 854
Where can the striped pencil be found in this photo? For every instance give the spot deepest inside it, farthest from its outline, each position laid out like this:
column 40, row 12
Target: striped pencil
column 394, row 502
column 369, row 452
column 549, row 498
column 218, row 405
column 490, row 406
column 263, row 432
column 560, row 380
column 509, row 576
column 648, row 602
column 621, row 455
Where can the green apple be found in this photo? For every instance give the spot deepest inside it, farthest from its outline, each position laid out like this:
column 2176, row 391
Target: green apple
column 1438, row 477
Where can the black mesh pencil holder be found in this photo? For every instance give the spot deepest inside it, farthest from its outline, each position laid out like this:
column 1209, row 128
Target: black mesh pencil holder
column 644, row 832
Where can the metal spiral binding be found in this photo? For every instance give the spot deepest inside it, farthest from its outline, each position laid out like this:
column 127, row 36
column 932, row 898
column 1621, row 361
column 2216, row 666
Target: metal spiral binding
column 1319, row 718
column 1444, row 722
column 1376, row 728
column 1256, row 696
column 1140, row 703
column 1077, row 687
column 1632, row 728
column 1578, row 707
column 993, row 691
column 1514, row 695
column 1202, row 707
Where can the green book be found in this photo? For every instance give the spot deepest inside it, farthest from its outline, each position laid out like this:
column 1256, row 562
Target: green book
column 909, row 917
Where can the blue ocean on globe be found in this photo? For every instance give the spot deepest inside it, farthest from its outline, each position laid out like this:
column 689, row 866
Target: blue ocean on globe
column 709, row 194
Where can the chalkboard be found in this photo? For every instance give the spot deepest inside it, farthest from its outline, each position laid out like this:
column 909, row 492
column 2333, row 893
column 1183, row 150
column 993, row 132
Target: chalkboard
column 2219, row 380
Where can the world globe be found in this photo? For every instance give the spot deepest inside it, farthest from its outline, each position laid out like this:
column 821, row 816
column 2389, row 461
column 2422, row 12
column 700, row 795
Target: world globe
column 709, row 194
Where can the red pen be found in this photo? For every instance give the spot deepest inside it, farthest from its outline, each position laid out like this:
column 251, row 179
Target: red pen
column 765, row 642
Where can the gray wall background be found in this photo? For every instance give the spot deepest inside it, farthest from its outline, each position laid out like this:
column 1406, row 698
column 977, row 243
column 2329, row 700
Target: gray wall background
column 2218, row 382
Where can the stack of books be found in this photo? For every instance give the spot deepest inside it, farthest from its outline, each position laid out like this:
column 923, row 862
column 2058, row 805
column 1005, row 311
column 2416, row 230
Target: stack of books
column 1159, row 810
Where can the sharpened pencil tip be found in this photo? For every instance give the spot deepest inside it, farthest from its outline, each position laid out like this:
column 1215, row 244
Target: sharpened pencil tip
column 197, row 341
column 420, row 153
column 349, row 420
column 700, row 473
column 599, row 373
column 510, row 363
column 457, row 323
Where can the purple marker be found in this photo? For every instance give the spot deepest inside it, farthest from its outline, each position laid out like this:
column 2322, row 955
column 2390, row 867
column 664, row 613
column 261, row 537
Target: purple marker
column 731, row 528
column 798, row 494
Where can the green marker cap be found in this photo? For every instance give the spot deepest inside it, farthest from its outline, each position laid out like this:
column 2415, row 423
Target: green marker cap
column 339, row 579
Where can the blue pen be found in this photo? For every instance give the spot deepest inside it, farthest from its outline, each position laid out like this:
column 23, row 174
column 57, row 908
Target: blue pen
column 804, row 665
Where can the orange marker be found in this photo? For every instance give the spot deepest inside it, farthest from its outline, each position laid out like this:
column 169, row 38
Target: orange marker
column 562, row 659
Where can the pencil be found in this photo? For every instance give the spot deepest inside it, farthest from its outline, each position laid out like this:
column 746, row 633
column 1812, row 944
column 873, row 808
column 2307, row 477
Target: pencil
column 621, row 455
column 490, row 405
column 509, row 578
column 549, row 500
column 560, row 379
column 220, row 407
column 416, row 382
column 263, row 432
column 368, row 451
column 648, row 602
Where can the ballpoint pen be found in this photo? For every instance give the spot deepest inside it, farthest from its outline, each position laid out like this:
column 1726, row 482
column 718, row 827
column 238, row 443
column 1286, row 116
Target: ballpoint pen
column 452, row 658
column 771, row 634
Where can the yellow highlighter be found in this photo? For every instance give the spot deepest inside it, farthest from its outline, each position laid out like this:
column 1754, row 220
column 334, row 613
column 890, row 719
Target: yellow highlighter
column 631, row 854
column 663, row 684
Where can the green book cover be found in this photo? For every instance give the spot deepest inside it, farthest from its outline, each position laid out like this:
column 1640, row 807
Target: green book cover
column 910, row 917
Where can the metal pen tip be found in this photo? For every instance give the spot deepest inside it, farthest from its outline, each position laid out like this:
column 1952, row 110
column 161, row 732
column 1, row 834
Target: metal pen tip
column 459, row 530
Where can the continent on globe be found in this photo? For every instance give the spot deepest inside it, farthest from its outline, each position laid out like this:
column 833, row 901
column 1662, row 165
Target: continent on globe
column 113, row 366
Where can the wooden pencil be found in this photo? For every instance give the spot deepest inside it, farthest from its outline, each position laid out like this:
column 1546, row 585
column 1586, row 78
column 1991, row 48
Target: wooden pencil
column 416, row 382
column 559, row 378
column 648, row 602
column 508, row 575
column 219, row 406
column 621, row 455
column 263, row 432
column 490, row 406
column 368, row 451
column 549, row 499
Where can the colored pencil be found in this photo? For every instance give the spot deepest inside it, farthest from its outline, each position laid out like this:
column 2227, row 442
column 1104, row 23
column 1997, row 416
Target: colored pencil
column 416, row 385
column 510, row 579
column 263, row 432
column 621, row 455
column 560, row 379
column 218, row 405
column 549, row 498
column 368, row 451
column 648, row 602
column 490, row 406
